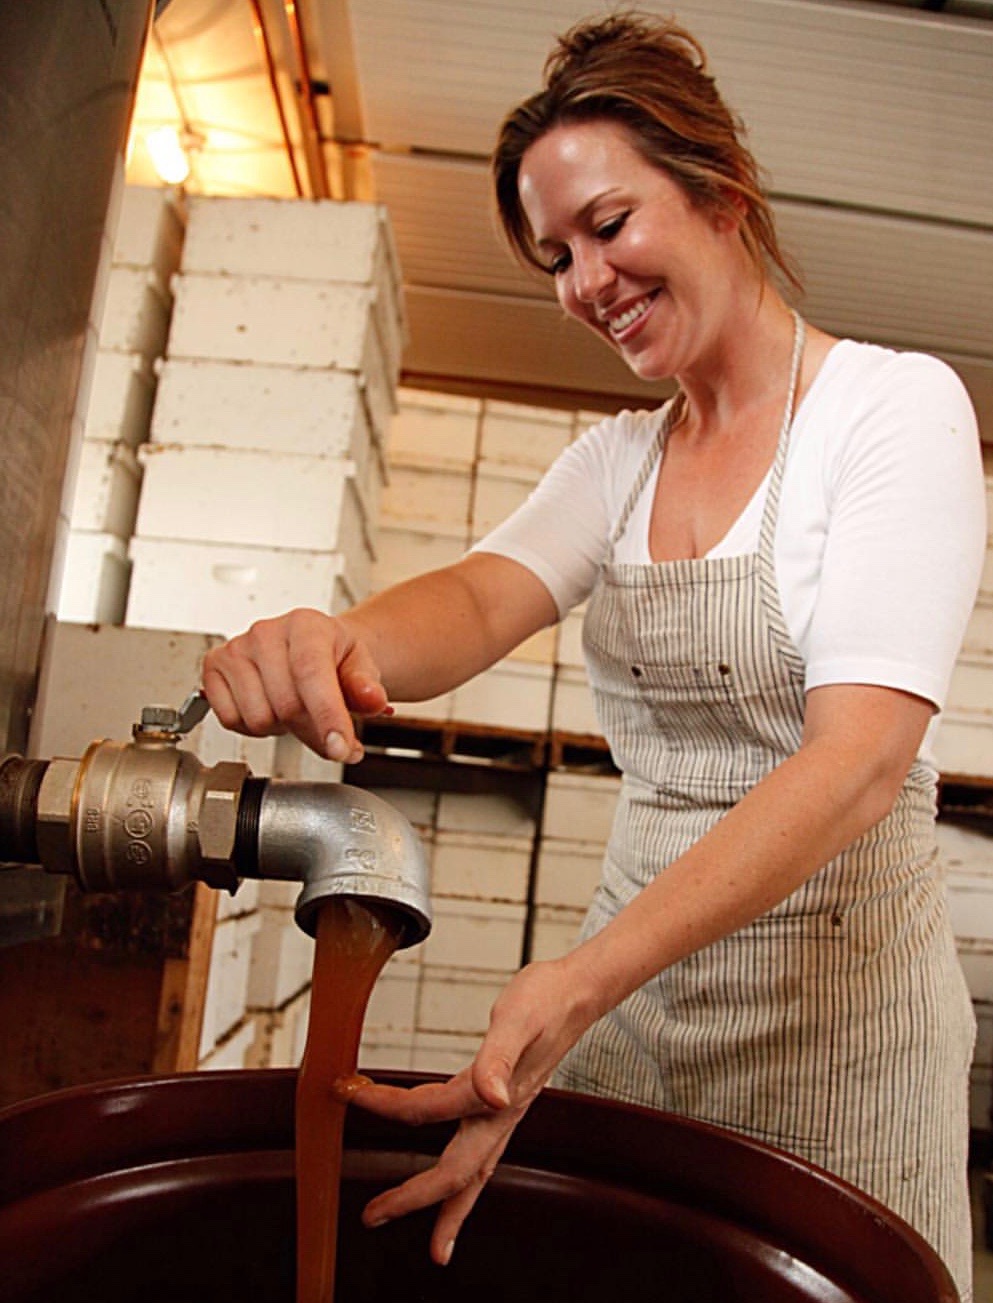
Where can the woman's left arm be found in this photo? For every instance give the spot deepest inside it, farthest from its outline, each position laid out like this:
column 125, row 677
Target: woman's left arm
column 859, row 742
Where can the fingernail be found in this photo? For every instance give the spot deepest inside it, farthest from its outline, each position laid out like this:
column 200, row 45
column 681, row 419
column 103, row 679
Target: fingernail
column 356, row 754
column 499, row 1089
column 372, row 1222
column 335, row 747
column 446, row 1253
column 344, row 1088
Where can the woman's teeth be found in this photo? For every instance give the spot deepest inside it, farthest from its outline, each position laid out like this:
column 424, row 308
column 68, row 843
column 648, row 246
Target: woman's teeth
column 617, row 325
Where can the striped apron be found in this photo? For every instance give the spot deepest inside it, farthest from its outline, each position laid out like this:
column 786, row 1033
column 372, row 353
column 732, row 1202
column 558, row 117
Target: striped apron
column 838, row 1025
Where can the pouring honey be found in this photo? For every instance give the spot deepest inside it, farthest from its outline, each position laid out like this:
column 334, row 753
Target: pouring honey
column 354, row 941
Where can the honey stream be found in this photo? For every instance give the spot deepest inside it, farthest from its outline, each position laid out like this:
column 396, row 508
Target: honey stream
column 353, row 943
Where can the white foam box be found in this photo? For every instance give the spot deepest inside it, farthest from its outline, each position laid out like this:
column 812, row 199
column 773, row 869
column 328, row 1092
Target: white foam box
column 281, row 1034
column 418, row 805
column 282, row 960
column 213, row 588
column 499, row 490
column 513, row 694
column 385, row 1051
column 481, row 867
column 235, row 1052
column 108, row 481
column 555, row 931
column 458, row 1001
column 497, row 813
column 392, row 1003
column 151, row 224
column 963, row 743
column 323, row 240
column 434, row 710
column 473, row 934
column 434, row 429
column 572, row 703
column 976, row 958
column 95, row 576
column 570, row 644
column 257, row 499
column 296, row 762
column 406, row 553
column 273, row 322
column 244, row 900
column 120, row 398
column 303, row 410
column 136, row 312
column 979, row 631
column 518, row 435
column 580, row 806
column 427, row 499
column 567, row 872
column 443, row 1052
column 540, row 649
column 968, row 857
column 971, row 686
column 226, row 1001
column 981, row 1075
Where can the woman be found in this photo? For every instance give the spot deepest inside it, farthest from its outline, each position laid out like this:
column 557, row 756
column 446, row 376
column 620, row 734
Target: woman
column 779, row 564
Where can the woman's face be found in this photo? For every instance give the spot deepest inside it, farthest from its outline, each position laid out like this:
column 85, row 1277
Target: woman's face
column 631, row 255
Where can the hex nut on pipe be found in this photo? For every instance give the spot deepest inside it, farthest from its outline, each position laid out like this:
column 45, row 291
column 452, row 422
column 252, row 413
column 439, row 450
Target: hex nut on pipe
column 56, row 844
column 217, row 821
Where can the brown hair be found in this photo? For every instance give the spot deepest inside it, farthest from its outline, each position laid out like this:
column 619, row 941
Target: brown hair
column 650, row 76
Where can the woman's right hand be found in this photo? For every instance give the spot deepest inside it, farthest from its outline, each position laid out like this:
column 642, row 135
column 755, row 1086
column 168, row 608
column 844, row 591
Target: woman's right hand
column 304, row 673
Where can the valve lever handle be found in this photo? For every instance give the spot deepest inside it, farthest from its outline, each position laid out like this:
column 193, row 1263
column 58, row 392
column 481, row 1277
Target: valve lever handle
column 192, row 711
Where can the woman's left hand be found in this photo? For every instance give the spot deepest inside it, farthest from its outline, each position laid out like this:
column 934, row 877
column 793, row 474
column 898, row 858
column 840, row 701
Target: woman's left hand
column 537, row 1018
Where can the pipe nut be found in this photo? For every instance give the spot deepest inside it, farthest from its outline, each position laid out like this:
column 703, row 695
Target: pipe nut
column 56, row 848
column 217, row 822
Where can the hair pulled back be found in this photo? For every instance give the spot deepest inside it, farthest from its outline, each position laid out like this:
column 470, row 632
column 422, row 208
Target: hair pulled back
column 650, row 76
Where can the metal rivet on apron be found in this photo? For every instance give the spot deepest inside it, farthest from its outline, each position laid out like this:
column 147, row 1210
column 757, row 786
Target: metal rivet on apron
column 636, row 670
column 723, row 669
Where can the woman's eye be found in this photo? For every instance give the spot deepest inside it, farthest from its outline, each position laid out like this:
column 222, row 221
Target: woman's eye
column 609, row 229
column 559, row 264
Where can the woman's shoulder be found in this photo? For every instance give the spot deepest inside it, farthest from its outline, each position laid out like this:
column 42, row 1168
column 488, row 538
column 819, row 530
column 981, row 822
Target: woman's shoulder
column 853, row 368
column 616, row 442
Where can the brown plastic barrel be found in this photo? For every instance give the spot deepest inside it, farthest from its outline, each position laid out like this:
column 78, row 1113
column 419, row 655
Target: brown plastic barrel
column 180, row 1190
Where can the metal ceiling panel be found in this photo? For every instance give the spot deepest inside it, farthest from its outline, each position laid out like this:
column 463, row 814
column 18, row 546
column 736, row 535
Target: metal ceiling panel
column 879, row 107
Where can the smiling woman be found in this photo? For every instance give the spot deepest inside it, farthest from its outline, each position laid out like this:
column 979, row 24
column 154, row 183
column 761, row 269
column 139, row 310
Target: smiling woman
column 778, row 568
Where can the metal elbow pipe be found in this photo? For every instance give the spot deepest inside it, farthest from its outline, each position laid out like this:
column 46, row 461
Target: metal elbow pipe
column 146, row 814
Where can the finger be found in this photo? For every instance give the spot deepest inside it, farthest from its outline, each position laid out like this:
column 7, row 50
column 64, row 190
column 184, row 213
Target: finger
column 455, row 1210
column 441, row 1101
column 468, row 1159
column 236, row 691
column 332, row 677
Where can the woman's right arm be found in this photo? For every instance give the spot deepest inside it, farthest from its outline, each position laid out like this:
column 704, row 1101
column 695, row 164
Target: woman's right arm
column 307, row 673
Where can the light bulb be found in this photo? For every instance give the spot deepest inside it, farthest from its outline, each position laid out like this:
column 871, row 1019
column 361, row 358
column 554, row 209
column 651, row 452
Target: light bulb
column 168, row 156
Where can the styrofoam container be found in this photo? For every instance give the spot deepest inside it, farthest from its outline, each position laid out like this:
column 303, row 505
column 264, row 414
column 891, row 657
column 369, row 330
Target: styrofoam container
column 295, row 761
column 570, row 644
column 151, row 224
column 234, row 1051
column 568, row 872
column 499, row 490
column 95, row 577
column 385, row 1050
column 419, row 805
column 257, row 499
column 518, row 435
column 473, row 934
column 213, row 588
column 430, row 499
column 580, row 806
column 430, row 429
column 963, row 744
column 406, row 553
column 496, row 813
column 976, row 958
column 272, row 322
column 282, row 960
column 226, row 1003
column 450, row 1000
column 322, row 240
column 303, row 410
column 136, row 312
column 513, row 694
column 481, row 866
column 981, row 1075
column 281, row 1034
column 572, row 704
column 392, row 1004
column 447, row 1052
column 120, row 398
column 979, row 631
column 436, row 710
column 245, row 900
column 540, row 649
column 108, row 481
column 555, row 931
column 971, row 686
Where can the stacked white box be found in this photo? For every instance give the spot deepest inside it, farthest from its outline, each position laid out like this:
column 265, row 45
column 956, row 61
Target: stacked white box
column 226, row 1001
column 516, row 435
column 267, row 448
column 513, row 694
column 134, row 321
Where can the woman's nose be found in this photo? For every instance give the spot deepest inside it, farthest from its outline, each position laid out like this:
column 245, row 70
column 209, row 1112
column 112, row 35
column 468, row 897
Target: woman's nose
column 592, row 273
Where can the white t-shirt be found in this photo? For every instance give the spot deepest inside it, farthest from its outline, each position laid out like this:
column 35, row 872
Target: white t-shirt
column 881, row 530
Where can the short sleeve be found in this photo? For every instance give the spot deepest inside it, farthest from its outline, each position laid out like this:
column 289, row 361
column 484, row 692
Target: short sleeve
column 906, row 534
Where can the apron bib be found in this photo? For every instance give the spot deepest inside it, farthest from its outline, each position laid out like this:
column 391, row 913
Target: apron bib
column 838, row 1025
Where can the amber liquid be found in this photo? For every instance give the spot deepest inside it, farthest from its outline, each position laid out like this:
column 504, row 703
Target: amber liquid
column 353, row 944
